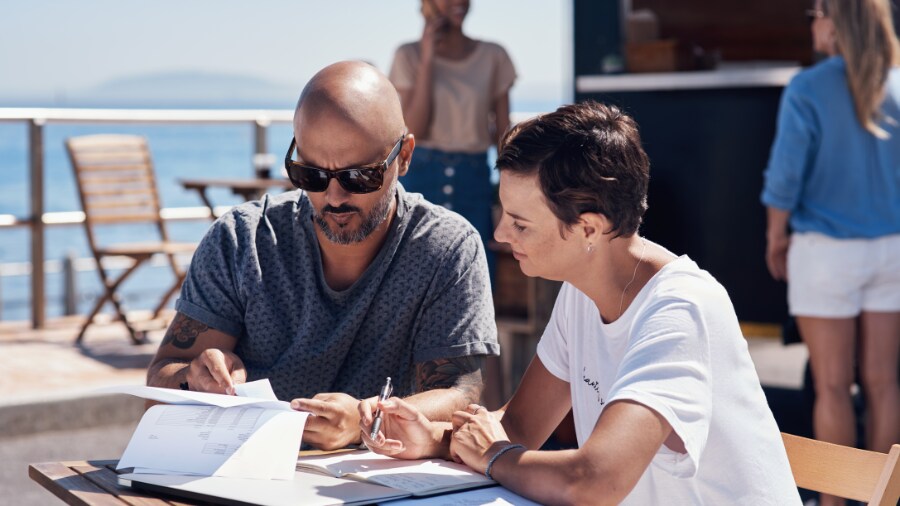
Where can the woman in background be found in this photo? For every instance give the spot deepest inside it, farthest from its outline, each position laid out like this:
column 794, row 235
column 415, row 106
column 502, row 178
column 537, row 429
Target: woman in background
column 834, row 177
column 455, row 96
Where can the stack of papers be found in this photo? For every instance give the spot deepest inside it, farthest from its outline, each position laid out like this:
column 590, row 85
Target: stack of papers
column 243, row 450
column 418, row 477
column 207, row 434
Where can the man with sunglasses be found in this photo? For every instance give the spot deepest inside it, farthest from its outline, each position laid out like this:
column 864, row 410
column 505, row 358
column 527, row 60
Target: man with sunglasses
column 328, row 290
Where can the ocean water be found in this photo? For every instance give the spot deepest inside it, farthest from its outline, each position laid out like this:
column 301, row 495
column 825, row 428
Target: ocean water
column 178, row 152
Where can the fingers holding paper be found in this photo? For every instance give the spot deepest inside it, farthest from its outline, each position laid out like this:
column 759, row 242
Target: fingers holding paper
column 405, row 432
column 336, row 424
column 217, row 371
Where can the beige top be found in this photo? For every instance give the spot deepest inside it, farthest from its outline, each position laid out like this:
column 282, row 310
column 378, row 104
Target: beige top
column 463, row 95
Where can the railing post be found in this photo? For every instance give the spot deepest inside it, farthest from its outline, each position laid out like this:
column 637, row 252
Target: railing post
column 36, row 157
column 262, row 162
column 70, row 288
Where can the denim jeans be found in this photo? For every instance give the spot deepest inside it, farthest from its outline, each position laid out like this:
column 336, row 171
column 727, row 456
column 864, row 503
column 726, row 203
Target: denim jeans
column 460, row 182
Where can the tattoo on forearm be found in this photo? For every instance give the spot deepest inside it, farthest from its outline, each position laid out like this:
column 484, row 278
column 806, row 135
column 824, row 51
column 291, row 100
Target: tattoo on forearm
column 461, row 373
column 183, row 332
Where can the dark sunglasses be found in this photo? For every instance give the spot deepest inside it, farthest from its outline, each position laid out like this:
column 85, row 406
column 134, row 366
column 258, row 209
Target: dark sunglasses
column 354, row 179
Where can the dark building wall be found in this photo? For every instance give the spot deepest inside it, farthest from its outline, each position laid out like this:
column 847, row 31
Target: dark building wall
column 708, row 149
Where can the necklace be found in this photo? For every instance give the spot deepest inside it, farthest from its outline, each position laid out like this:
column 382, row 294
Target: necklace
column 633, row 275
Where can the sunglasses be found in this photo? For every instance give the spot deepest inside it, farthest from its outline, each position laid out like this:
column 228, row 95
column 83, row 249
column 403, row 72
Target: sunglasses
column 365, row 179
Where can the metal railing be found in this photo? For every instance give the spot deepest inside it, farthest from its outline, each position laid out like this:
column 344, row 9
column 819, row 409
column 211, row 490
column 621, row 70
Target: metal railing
column 38, row 118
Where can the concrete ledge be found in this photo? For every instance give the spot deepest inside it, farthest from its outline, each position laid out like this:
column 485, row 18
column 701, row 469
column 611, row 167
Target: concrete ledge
column 69, row 413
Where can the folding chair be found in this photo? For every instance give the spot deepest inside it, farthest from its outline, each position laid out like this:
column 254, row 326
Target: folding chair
column 117, row 185
column 862, row 475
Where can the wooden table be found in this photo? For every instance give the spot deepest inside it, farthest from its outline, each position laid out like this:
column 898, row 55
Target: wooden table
column 95, row 482
column 248, row 189
column 92, row 482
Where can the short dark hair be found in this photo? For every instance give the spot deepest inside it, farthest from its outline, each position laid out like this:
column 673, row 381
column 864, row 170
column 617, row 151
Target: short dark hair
column 588, row 159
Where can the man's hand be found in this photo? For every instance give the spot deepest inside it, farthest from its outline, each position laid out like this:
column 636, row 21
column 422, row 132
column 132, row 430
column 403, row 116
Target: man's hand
column 405, row 432
column 216, row 371
column 193, row 352
column 336, row 421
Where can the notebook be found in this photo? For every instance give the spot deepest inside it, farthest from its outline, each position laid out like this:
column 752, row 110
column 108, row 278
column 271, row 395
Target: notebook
column 418, row 477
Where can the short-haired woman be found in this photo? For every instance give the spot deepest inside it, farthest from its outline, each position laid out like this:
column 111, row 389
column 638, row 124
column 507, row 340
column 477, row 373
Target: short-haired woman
column 643, row 345
column 834, row 177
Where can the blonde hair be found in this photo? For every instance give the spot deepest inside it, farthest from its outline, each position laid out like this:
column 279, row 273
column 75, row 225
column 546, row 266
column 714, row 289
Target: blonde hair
column 866, row 40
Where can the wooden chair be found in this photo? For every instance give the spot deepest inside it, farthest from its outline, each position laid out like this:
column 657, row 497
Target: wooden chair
column 117, row 186
column 862, row 475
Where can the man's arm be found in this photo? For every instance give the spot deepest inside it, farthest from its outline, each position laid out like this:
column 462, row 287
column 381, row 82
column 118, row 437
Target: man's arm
column 196, row 356
column 446, row 385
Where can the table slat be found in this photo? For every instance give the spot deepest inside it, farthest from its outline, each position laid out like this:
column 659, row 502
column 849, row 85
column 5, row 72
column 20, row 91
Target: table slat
column 111, row 465
column 106, row 479
column 71, row 487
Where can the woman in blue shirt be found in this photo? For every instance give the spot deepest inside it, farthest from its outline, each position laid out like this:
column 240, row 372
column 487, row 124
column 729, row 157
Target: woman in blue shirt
column 834, row 177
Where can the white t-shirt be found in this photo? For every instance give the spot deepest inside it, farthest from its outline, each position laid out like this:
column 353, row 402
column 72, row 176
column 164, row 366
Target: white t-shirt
column 678, row 350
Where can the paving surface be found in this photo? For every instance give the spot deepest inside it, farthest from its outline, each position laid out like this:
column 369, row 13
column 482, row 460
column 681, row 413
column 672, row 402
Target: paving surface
column 50, row 411
column 44, row 371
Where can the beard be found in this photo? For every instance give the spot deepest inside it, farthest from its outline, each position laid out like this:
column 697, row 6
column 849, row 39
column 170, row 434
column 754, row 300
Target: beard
column 371, row 221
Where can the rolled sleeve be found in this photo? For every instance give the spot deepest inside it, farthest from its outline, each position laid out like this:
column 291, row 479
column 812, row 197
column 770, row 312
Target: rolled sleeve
column 505, row 73
column 403, row 67
column 793, row 151
column 458, row 320
column 552, row 349
column 210, row 293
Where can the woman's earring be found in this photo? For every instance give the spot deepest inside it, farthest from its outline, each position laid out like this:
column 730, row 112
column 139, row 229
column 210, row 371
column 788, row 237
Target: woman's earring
column 590, row 248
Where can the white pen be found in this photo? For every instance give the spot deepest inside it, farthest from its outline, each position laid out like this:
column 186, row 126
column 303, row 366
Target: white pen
column 385, row 393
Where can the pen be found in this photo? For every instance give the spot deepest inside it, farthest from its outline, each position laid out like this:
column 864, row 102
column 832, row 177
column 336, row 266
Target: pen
column 385, row 393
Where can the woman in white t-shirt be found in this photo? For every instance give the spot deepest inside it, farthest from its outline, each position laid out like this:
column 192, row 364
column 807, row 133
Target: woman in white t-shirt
column 644, row 346
column 455, row 95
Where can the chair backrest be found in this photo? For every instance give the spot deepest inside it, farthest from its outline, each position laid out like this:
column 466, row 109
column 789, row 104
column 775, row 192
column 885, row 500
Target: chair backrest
column 116, row 181
column 862, row 475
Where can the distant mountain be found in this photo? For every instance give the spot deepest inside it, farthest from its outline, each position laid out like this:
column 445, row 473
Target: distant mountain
column 220, row 90
column 187, row 89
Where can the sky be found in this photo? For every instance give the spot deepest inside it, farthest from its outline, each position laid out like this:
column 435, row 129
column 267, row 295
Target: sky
column 53, row 50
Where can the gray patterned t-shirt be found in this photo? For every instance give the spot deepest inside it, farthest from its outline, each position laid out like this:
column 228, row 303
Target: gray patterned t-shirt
column 257, row 276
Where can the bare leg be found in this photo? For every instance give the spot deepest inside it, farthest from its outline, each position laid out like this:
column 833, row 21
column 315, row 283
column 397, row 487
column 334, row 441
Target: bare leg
column 880, row 353
column 832, row 356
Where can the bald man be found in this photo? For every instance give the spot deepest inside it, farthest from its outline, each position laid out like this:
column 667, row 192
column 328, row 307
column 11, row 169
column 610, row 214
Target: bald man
column 329, row 289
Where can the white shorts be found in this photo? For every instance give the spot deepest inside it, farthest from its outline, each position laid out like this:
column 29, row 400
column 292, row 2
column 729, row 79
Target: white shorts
column 839, row 278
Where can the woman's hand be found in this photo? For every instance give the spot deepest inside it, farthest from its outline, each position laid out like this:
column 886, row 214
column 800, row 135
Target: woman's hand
column 405, row 432
column 777, row 242
column 776, row 255
column 434, row 30
column 477, row 434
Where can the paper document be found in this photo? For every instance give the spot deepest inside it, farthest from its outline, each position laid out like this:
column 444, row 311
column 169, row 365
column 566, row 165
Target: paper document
column 419, row 477
column 172, row 396
column 215, row 435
